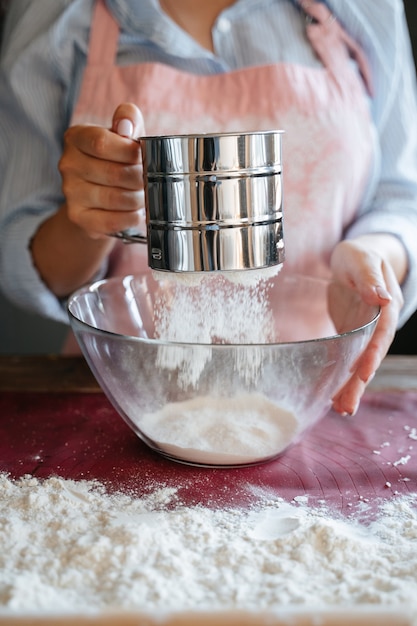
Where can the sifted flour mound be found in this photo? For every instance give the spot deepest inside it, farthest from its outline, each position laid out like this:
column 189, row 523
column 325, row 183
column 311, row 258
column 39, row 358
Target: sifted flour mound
column 70, row 546
column 244, row 429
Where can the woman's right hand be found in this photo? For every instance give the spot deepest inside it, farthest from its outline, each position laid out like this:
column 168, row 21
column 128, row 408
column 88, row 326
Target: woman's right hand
column 101, row 173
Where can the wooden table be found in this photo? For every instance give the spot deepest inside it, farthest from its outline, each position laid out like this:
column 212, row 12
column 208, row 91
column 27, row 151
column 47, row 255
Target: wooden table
column 46, row 373
column 396, row 372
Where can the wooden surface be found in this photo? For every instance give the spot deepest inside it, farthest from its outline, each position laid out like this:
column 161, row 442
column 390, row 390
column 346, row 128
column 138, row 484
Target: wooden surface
column 71, row 374
column 46, row 374
column 360, row 616
column 396, row 372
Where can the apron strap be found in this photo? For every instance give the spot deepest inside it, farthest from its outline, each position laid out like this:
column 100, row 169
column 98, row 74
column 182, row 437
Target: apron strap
column 326, row 35
column 104, row 36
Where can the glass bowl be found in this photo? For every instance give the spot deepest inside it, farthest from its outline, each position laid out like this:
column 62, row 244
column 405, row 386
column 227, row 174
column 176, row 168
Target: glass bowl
column 219, row 371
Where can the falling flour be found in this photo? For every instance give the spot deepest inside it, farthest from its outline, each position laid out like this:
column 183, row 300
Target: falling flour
column 247, row 278
column 209, row 309
column 69, row 546
column 221, row 431
column 194, row 390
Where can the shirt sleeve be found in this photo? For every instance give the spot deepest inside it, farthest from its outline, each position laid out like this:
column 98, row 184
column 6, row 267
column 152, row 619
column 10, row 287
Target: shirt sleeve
column 34, row 106
column 391, row 206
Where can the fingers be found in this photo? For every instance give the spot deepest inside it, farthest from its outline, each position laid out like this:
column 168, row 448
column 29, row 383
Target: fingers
column 358, row 267
column 101, row 144
column 128, row 121
column 347, row 400
column 100, row 224
column 107, row 173
column 362, row 263
column 367, row 272
column 101, row 172
column 91, row 195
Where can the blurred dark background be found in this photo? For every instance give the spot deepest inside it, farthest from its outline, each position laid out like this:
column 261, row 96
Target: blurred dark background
column 25, row 333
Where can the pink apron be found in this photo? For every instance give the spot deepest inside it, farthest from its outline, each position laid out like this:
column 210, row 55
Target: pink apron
column 324, row 112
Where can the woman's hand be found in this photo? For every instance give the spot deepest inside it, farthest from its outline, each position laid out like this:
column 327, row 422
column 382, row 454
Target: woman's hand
column 373, row 266
column 101, row 170
column 101, row 173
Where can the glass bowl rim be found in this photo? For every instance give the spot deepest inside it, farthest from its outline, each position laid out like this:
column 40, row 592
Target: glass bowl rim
column 91, row 287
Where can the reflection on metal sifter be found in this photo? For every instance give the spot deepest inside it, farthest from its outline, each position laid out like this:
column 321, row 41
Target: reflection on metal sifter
column 213, row 202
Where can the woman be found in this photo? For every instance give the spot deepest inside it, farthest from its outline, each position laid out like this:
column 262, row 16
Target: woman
column 337, row 77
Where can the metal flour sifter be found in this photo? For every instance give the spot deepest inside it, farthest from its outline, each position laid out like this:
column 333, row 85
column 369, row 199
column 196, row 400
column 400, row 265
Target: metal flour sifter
column 213, row 201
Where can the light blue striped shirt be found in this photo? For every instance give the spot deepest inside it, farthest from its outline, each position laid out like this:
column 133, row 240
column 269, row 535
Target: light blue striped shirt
column 43, row 57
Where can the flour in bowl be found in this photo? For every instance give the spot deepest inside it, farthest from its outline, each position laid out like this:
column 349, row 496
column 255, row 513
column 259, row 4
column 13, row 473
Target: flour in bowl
column 69, row 546
column 226, row 427
column 247, row 428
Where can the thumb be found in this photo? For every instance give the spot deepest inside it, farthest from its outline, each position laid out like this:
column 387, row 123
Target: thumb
column 128, row 121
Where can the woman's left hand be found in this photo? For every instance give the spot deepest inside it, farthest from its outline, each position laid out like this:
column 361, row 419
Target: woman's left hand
column 373, row 266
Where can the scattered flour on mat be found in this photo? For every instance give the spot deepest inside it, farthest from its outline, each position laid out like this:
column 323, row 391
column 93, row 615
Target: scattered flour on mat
column 71, row 546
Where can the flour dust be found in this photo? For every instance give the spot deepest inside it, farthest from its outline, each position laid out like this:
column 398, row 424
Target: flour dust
column 71, row 546
column 194, row 313
column 229, row 308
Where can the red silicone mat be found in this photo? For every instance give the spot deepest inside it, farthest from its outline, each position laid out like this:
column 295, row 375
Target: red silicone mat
column 347, row 462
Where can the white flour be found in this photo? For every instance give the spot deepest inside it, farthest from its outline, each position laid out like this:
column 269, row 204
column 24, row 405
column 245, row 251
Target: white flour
column 207, row 309
column 212, row 309
column 221, row 431
column 248, row 278
column 70, row 546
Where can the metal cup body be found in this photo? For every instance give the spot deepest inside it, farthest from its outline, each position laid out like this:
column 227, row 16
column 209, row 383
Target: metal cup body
column 213, row 202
